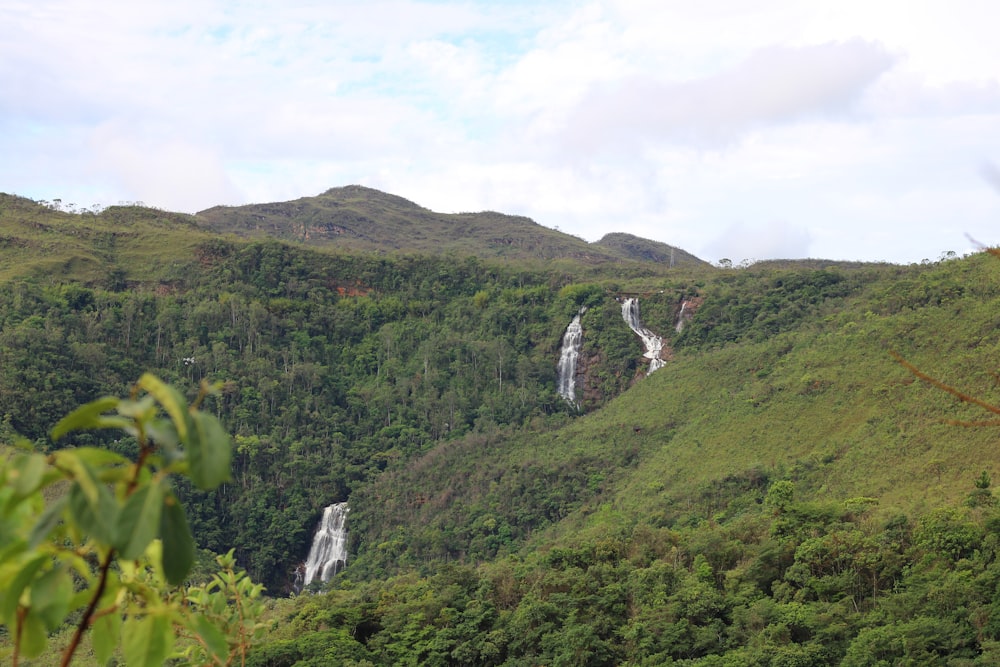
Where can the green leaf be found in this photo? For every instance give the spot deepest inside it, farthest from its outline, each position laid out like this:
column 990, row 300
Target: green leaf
column 164, row 434
column 47, row 522
column 30, row 468
column 139, row 521
column 214, row 638
column 178, row 545
column 14, row 548
column 104, row 637
column 96, row 518
column 84, row 417
column 10, row 595
column 71, row 460
column 97, row 457
column 50, row 597
column 114, row 421
column 146, row 641
column 209, row 451
column 33, row 636
column 142, row 410
column 170, row 399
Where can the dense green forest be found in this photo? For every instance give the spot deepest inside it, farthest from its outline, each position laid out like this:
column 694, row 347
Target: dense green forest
column 335, row 367
column 781, row 492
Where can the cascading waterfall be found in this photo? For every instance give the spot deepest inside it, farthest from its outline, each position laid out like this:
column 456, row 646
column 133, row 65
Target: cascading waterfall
column 328, row 553
column 679, row 327
column 652, row 342
column 571, row 343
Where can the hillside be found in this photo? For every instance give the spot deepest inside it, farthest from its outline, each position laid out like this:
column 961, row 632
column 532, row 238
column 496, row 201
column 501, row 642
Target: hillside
column 363, row 219
column 778, row 376
column 120, row 244
column 632, row 247
column 41, row 239
column 781, row 491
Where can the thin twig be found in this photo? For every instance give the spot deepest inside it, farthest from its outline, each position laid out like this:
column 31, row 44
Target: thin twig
column 22, row 612
column 984, row 422
column 957, row 393
column 88, row 615
column 89, row 612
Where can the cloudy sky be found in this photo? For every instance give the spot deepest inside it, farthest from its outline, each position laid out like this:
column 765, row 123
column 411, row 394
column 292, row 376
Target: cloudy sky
column 848, row 129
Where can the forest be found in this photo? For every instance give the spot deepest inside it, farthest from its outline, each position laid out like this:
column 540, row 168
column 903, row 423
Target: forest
column 782, row 492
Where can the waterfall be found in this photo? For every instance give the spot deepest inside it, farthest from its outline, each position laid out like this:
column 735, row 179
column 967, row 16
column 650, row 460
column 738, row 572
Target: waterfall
column 680, row 317
column 328, row 553
column 571, row 343
column 652, row 342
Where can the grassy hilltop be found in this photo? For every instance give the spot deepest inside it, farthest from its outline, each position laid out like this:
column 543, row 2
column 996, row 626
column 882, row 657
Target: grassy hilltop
column 363, row 219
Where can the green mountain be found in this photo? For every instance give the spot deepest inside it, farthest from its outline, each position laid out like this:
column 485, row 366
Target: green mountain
column 779, row 375
column 363, row 219
column 121, row 243
column 628, row 246
column 781, row 491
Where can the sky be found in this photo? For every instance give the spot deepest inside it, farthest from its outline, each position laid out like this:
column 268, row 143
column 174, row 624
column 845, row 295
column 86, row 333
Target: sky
column 853, row 129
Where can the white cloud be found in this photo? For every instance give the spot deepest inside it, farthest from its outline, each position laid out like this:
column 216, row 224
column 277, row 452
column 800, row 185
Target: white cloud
column 168, row 173
column 903, row 94
column 990, row 174
column 774, row 85
column 772, row 240
column 837, row 127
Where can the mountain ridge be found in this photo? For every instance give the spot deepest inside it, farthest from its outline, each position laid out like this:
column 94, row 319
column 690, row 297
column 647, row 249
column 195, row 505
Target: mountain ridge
column 356, row 217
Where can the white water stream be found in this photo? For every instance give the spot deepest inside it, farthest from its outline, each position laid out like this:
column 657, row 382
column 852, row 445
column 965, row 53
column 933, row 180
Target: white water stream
column 650, row 341
column 328, row 554
column 571, row 343
column 679, row 327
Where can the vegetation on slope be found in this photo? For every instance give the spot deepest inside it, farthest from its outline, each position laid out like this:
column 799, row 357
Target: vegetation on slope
column 767, row 382
column 113, row 248
column 633, row 247
column 784, row 582
column 336, row 366
column 362, row 219
column 423, row 389
column 784, row 495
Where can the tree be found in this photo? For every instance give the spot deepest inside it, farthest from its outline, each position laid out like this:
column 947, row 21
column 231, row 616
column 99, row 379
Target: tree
column 88, row 534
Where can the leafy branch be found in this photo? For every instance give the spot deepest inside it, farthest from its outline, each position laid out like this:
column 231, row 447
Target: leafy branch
column 115, row 542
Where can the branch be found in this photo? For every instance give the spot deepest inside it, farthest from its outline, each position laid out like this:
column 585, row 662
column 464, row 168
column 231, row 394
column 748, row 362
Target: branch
column 957, row 393
column 89, row 612
column 22, row 612
column 984, row 422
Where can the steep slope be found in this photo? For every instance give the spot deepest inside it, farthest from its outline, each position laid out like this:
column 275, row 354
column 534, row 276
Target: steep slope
column 761, row 388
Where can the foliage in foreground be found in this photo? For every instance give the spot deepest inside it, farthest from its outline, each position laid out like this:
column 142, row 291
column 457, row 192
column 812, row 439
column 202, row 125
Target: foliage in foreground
column 94, row 540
